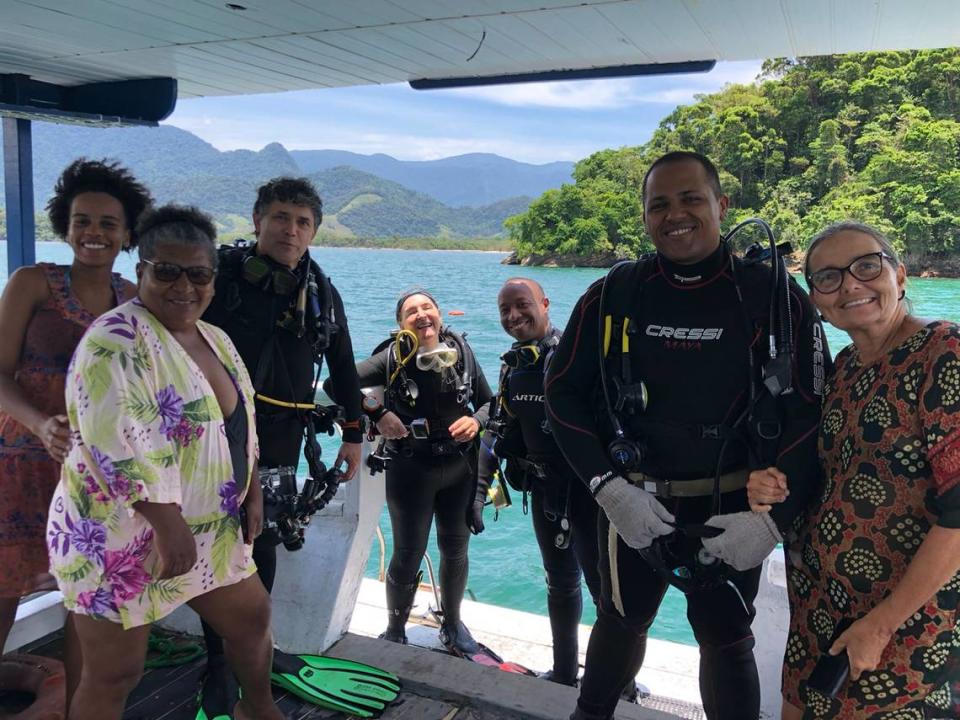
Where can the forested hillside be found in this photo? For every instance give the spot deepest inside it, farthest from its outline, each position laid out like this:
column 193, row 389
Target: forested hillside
column 179, row 166
column 873, row 137
column 472, row 180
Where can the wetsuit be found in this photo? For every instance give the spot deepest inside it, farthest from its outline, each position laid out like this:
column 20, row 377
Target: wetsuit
column 284, row 365
column 556, row 494
column 429, row 478
column 689, row 343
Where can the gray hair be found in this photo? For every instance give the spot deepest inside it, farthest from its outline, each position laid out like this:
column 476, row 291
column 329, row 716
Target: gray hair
column 851, row 226
column 177, row 225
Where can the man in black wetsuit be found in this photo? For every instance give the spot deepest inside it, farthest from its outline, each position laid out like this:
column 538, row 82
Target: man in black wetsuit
column 689, row 327
column 564, row 514
column 271, row 300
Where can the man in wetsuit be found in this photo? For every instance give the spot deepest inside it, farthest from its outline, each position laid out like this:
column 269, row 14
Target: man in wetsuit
column 693, row 349
column 564, row 513
column 271, row 300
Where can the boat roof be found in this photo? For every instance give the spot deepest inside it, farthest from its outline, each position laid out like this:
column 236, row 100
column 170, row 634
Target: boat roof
column 211, row 47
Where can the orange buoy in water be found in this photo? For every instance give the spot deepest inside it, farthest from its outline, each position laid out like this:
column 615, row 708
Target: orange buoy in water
column 455, row 312
column 40, row 676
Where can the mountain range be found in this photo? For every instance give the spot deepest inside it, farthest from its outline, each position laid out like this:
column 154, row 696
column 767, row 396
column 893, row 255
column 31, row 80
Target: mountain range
column 364, row 195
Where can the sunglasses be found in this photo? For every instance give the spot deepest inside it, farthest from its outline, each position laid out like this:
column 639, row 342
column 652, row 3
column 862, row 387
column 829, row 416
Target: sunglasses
column 171, row 272
column 864, row 268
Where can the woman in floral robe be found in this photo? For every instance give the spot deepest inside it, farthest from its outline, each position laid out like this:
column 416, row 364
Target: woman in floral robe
column 147, row 513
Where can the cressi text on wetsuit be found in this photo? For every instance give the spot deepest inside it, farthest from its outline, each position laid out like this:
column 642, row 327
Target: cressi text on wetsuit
column 689, row 344
column 429, row 478
column 556, row 494
column 283, row 363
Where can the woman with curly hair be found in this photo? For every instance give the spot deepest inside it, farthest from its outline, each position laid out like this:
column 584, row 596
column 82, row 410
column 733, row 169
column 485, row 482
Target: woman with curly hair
column 44, row 311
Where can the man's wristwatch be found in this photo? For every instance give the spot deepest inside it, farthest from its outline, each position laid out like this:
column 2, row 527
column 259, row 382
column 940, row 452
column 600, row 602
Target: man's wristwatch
column 372, row 407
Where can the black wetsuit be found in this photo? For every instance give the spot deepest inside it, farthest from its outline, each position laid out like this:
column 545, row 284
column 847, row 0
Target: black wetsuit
column 283, row 366
column 556, row 494
column 689, row 344
column 430, row 478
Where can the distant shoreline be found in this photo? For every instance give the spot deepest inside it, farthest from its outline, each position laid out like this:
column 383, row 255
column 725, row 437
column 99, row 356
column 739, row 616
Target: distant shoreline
column 946, row 268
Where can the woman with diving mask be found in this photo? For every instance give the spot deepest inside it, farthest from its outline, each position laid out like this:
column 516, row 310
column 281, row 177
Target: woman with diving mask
column 432, row 380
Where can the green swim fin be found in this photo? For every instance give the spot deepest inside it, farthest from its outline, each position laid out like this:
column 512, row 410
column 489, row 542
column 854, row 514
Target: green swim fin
column 350, row 687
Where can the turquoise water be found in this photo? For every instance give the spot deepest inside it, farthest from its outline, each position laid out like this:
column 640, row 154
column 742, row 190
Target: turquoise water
column 505, row 566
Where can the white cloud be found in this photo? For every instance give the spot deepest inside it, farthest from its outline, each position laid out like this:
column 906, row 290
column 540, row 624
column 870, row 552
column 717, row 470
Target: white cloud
column 252, row 134
column 615, row 92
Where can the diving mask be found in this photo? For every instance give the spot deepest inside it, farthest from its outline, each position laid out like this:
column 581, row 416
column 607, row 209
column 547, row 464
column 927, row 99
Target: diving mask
column 521, row 356
column 268, row 276
column 440, row 358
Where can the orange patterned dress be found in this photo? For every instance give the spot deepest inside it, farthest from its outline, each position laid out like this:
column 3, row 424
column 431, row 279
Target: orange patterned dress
column 890, row 448
column 28, row 475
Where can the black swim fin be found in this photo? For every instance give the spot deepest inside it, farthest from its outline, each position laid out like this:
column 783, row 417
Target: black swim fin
column 350, row 687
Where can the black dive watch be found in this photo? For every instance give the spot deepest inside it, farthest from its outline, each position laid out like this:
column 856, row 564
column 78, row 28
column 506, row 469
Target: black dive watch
column 372, row 407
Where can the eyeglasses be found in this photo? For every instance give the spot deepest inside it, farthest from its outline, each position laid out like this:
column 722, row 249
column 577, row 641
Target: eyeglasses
column 171, row 272
column 864, row 268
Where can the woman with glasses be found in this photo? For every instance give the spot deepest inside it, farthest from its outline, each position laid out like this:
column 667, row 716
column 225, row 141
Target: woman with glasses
column 147, row 513
column 874, row 582
column 435, row 403
column 44, row 312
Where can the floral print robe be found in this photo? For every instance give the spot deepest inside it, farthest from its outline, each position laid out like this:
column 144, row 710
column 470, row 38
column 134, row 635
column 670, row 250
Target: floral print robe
column 146, row 427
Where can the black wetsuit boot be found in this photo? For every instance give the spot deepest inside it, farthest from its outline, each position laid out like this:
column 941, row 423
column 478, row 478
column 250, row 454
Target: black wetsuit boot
column 399, row 603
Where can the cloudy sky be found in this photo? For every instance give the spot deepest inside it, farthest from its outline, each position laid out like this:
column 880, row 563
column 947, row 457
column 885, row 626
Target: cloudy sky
column 535, row 123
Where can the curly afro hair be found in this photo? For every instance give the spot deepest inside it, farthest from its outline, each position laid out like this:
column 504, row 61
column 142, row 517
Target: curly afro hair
column 82, row 176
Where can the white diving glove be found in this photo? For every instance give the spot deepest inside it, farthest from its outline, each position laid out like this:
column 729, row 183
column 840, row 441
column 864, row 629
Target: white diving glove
column 636, row 515
column 747, row 538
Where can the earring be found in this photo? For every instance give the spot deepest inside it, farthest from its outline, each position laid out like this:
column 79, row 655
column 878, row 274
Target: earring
column 902, row 295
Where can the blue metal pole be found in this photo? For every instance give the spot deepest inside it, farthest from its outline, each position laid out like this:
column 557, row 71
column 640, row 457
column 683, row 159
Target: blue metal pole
column 18, row 178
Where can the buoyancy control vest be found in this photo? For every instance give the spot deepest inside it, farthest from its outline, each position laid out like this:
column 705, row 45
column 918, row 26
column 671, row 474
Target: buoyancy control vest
column 624, row 397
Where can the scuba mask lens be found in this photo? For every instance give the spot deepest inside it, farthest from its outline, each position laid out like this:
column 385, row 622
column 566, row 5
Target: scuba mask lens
column 521, row 356
column 437, row 359
column 259, row 272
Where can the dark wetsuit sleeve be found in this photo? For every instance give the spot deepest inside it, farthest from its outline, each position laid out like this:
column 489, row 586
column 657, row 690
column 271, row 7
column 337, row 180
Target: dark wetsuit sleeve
column 569, row 390
column 370, row 372
column 343, row 373
column 482, row 394
column 797, row 454
column 486, row 461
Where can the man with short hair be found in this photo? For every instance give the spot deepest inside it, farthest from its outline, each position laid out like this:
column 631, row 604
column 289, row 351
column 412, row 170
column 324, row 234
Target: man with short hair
column 285, row 317
column 563, row 513
column 657, row 396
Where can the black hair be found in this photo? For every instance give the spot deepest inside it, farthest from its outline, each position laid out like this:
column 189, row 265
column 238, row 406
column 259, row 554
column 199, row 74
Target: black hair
column 176, row 224
column 298, row 191
column 410, row 293
column 83, row 176
column 713, row 175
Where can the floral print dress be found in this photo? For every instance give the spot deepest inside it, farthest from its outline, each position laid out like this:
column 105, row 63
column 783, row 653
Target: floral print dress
column 890, row 447
column 146, row 427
